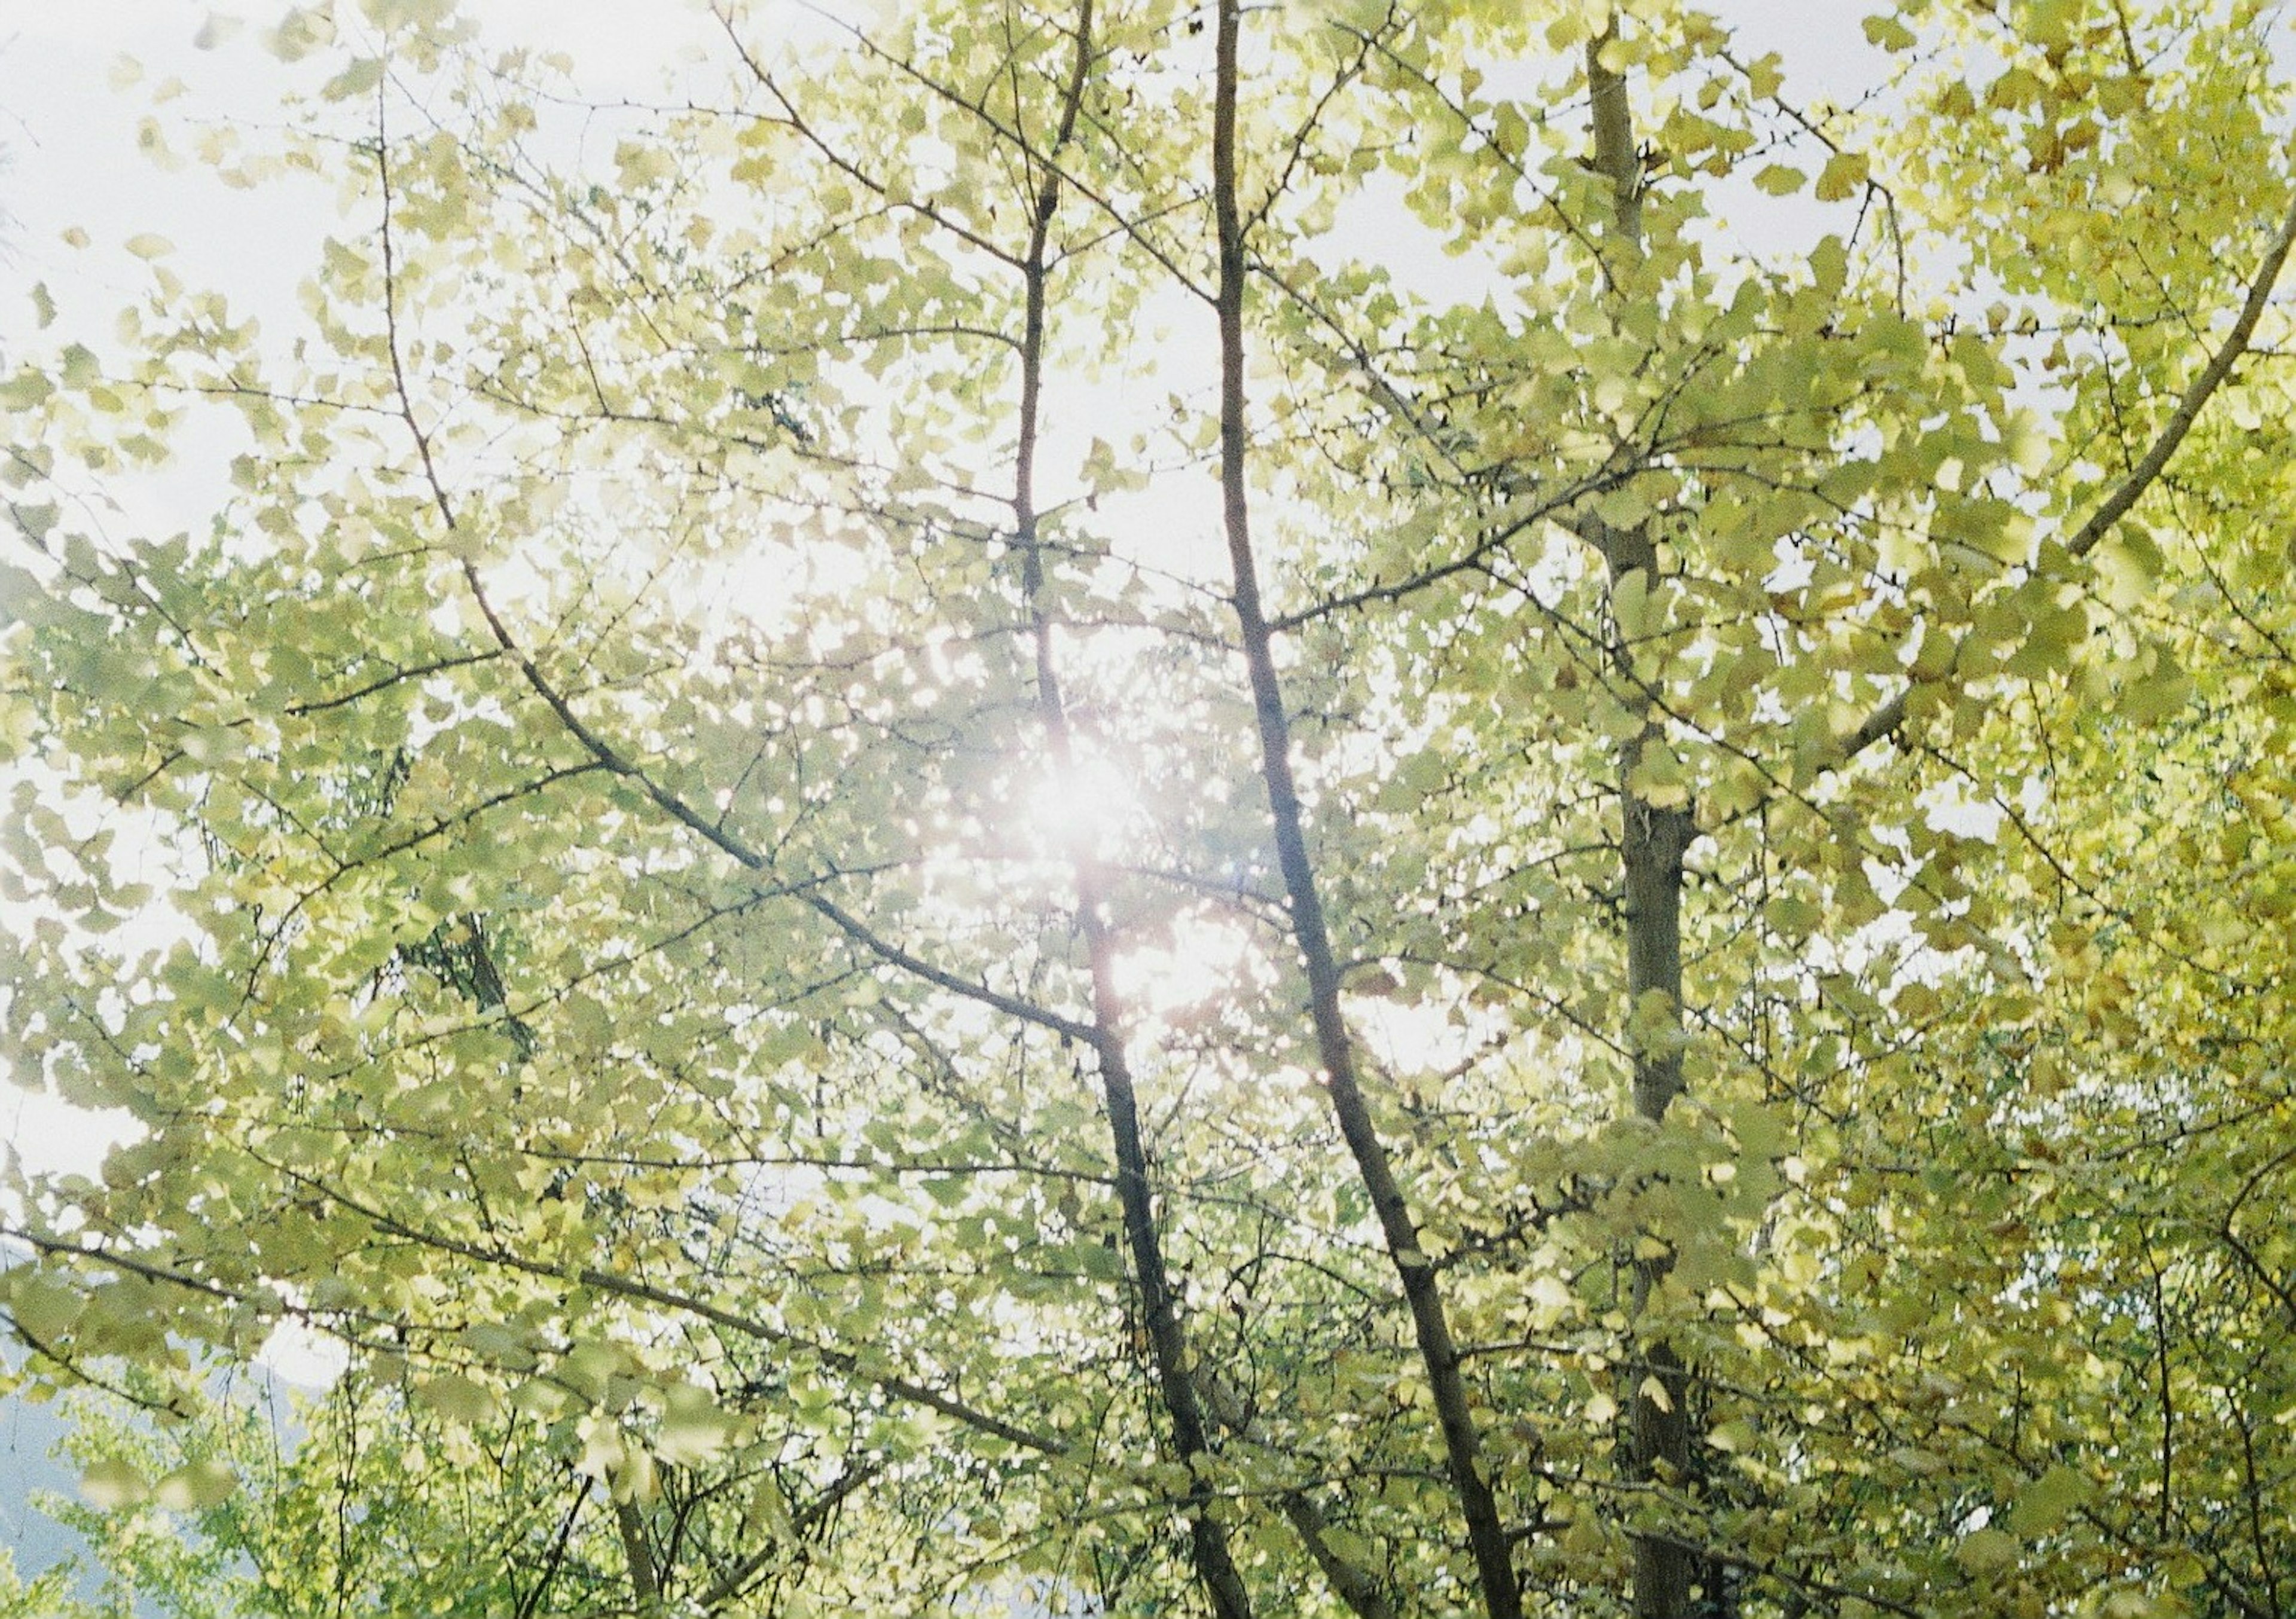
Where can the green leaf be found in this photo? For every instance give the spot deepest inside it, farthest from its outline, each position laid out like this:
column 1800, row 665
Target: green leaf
column 196, row 1486
column 1843, row 176
column 1632, row 607
column 358, row 79
column 1888, row 33
column 45, row 1308
column 692, row 1428
column 1987, row 1551
column 112, row 1483
column 2043, row 1504
column 455, row 1397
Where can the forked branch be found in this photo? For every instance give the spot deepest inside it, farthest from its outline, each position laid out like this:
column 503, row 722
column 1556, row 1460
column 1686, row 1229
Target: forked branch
column 1335, row 1050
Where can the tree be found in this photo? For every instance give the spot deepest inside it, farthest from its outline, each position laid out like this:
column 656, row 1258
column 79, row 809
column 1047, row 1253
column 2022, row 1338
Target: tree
column 377, row 1507
column 1621, row 1000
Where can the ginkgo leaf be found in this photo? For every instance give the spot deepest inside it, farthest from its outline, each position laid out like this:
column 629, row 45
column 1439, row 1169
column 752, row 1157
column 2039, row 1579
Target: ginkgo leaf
column 195, row 1486
column 110, row 1485
column 692, row 1428
column 455, row 1397
column 2042, row 1505
column 1844, row 175
column 1985, row 1551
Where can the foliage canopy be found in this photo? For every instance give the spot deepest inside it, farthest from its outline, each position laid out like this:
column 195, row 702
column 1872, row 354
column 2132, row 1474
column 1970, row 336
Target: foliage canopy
column 916, row 819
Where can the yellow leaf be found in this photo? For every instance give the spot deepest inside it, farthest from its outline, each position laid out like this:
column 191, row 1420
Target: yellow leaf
column 1844, row 176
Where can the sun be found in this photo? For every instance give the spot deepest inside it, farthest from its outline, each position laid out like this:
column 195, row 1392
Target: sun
column 1084, row 809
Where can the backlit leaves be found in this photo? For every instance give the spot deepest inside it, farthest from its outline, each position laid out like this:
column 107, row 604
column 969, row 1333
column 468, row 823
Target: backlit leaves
column 566, row 867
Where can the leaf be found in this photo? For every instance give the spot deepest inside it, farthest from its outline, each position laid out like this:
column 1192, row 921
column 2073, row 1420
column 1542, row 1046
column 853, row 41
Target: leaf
column 196, row 1486
column 355, row 80
column 1779, row 180
column 503, row 1345
column 692, row 1428
column 1843, row 176
column 2043, row 1504
column 45, row 1308
column 112, row 1483
column 1987, row 1551
column 1888, row 33
column 2130, row 563
column 455, row 1397
column 1631, row 605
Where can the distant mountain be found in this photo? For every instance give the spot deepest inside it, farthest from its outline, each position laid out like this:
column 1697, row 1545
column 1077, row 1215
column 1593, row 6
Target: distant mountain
column 29, row 1436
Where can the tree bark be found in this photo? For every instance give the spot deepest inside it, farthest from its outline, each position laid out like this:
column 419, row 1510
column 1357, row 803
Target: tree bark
column 645, row 1585
column 1653, row 841
column 1438, row 1356
column 1208, row 1549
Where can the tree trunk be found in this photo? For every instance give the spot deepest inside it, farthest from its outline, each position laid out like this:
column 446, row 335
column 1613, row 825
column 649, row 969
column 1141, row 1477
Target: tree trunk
column 1653, row 840
column 1438, row 1356
column 1168, row 1346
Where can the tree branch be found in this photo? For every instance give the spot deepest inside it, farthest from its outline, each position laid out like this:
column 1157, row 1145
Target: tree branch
column 2196, row 397
column 1885, row 720
column 1438, row 1356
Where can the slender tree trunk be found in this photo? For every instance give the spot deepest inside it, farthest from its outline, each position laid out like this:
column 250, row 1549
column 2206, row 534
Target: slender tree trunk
column 645, row 1585
column 1653, row 841
column 1208, row 1549
column 1335, row 1048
